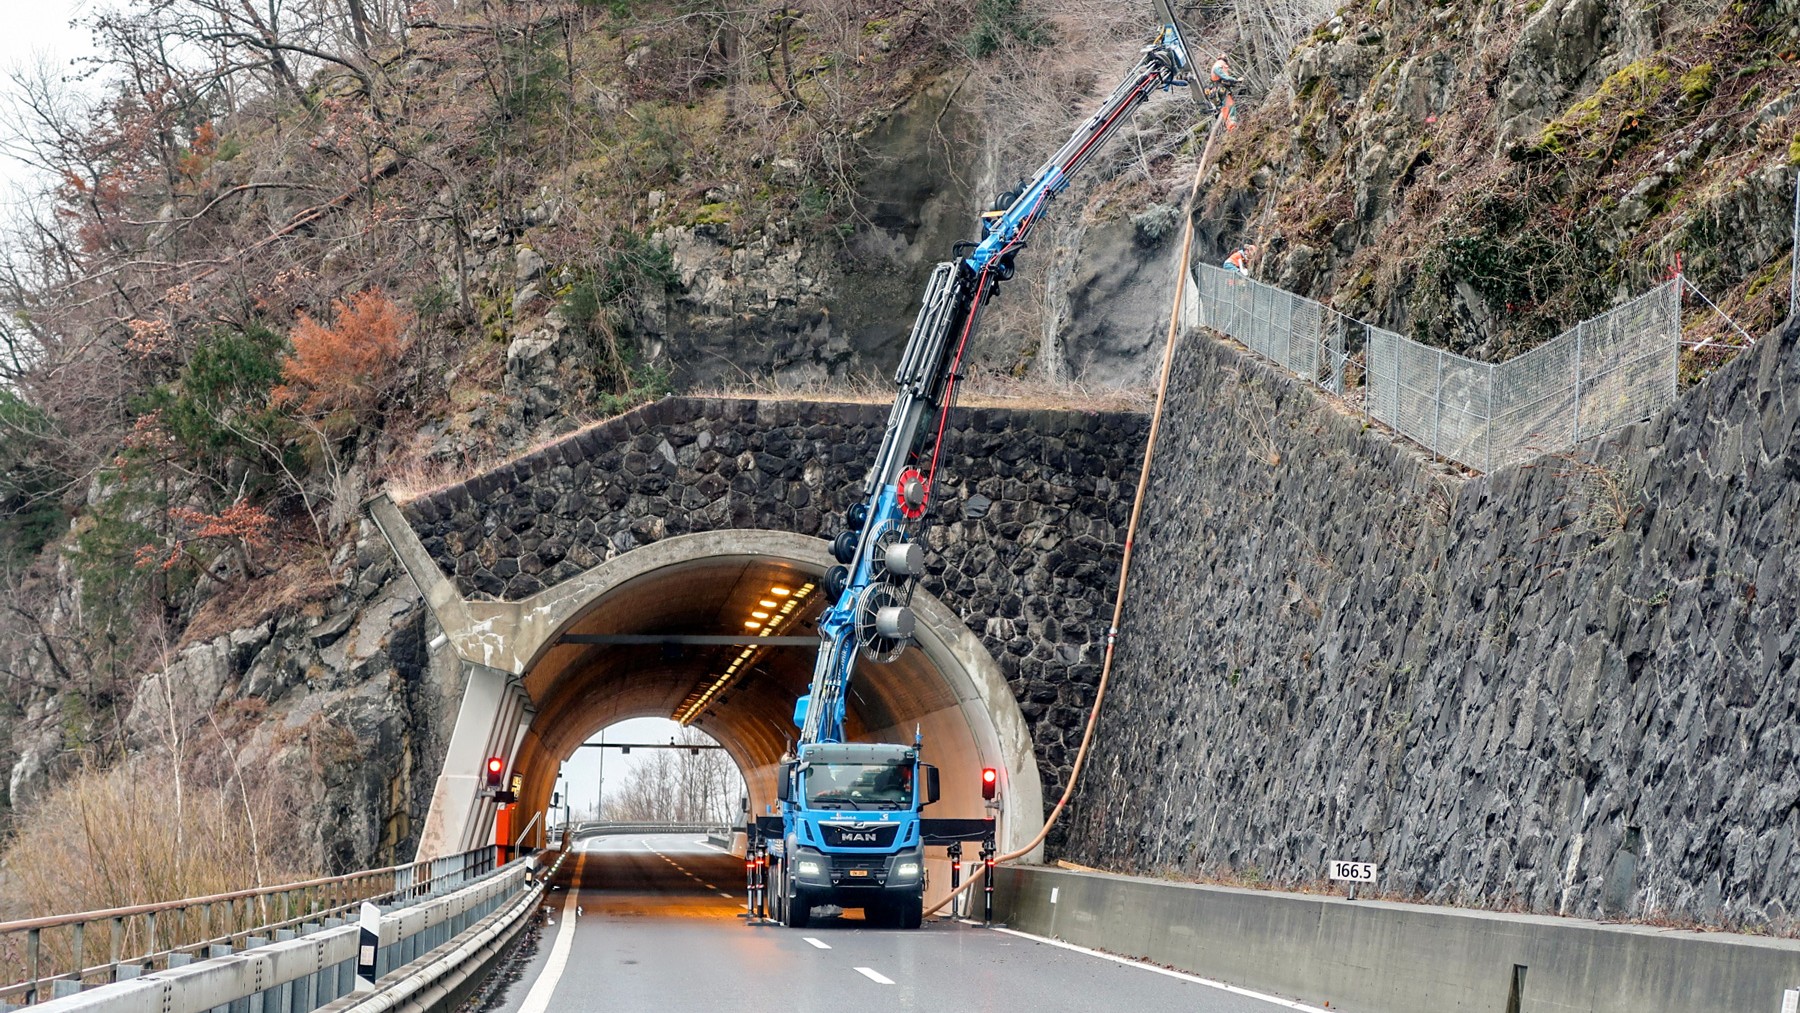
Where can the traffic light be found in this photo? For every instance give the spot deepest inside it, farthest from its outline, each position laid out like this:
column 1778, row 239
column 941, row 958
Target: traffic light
column 990, row 782
column 495, row 767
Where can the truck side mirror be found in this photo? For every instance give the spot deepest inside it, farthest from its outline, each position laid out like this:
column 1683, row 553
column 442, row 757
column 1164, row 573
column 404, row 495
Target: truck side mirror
column 784, row 782
column 931, row 784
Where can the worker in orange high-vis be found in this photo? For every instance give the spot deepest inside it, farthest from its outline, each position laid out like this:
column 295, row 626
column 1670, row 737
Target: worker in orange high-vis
column 1239, row 261
column 1221, row 81
column 1221, row 72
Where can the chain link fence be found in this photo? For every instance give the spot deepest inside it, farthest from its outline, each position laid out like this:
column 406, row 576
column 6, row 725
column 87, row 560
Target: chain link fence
column 1615, row 369
column 1303, row 336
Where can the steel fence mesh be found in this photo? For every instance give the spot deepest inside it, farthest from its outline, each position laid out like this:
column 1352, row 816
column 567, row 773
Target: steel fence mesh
column 1278, row 325
column 1615, row 369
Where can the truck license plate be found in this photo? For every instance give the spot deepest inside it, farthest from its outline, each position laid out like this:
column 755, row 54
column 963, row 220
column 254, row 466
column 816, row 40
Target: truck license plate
column 859, row 872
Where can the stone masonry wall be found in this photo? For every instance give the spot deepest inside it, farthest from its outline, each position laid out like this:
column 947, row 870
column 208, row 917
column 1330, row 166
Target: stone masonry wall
column 1024, row 542
column 1569, row 686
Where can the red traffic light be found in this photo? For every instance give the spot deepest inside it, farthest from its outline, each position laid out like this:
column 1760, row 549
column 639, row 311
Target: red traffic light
column 495, row 767
column 990, row 782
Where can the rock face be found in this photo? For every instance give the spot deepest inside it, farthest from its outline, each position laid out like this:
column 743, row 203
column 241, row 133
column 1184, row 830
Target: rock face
column 1024, row 543
column 343, row 704
column 1568, row 685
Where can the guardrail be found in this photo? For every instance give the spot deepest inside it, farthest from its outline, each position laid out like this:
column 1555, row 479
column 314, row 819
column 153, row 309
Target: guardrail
column 595, row 828
column 427, row 953
column 50, row 956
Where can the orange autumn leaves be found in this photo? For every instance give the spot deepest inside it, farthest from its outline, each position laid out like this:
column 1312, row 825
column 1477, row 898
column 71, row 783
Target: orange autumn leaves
column 337, row 372
column 349, row 364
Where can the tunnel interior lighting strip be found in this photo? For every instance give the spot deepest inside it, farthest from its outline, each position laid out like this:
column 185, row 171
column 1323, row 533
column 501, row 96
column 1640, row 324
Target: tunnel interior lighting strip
column 765, row 616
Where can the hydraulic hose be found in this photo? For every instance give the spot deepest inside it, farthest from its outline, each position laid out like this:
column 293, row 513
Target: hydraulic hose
column 1137, row 507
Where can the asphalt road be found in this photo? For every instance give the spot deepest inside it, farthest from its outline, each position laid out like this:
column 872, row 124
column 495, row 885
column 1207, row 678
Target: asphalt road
column 660, row 931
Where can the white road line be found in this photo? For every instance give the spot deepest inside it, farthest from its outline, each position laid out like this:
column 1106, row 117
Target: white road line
column 725, row 895
column 538, row 999
column 1184, row 976
column 709, row 886
column 873, row 975
column 819, row 943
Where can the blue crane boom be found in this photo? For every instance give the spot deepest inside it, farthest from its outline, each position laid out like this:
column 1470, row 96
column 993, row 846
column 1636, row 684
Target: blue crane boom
column 879, row 556
column 827, row 853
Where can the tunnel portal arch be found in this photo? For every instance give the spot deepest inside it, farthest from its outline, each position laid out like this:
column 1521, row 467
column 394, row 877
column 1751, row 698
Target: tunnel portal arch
column 562, row 692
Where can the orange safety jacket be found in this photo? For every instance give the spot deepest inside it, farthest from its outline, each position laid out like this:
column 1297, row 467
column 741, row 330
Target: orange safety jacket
column 1239, row 260
column 1220, row 71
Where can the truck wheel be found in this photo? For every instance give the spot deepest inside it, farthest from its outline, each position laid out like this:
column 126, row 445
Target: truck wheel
column 910, row 913
column 796, row 910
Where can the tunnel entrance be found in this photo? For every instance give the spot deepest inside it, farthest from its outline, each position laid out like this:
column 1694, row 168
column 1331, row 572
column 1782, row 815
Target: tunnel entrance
column 651, row 770
column 718, row 631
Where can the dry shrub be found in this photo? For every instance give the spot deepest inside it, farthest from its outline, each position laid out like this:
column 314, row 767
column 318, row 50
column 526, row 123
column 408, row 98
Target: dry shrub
column 137, row 833
column 349, row 364
column 303, row 579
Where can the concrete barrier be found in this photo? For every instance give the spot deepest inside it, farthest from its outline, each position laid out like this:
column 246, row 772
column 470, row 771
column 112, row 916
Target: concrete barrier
column 1378, row 957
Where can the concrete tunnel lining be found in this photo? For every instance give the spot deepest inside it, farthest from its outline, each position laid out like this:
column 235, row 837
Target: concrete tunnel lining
column 947, row 684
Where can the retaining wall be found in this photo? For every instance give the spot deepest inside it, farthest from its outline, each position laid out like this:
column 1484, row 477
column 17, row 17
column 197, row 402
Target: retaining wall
column 1375, row 957
column 1570, row 686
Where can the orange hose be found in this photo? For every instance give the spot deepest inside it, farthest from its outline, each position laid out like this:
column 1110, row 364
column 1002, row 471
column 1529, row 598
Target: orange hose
column 1137, row 506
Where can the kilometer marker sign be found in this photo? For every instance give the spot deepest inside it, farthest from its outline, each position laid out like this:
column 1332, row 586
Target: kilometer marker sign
column 1353, row 872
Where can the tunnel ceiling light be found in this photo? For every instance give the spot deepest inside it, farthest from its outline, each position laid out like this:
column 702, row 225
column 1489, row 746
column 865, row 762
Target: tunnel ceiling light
column 696, row 704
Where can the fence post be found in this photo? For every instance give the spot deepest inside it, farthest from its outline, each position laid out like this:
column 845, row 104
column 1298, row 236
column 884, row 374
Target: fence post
column 1437, row 405
column 1794, row 256
column 1578, row 329
column 1674, row 312
column 1488, row 459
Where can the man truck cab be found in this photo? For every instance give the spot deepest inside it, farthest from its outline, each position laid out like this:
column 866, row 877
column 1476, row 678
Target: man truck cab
column 851, row 832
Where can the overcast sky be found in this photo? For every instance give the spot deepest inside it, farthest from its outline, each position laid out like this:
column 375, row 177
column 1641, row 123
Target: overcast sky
column 581, row 774
column 34, row 30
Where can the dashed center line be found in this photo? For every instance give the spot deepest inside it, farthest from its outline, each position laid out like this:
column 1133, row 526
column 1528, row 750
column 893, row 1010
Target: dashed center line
column 725, row 895
column 820, row 944
column 875, row 976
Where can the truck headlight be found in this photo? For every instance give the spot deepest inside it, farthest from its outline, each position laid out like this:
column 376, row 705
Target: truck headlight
column 906, row 870
column 808, row 868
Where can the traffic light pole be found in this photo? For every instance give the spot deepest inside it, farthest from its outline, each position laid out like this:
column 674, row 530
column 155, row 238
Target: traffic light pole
column 955, row 877
column 988, row 851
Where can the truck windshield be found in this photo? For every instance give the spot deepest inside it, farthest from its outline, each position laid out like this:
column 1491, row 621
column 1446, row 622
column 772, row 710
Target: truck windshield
column 856, row 785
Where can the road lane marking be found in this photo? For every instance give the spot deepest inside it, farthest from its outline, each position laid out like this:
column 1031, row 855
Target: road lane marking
column 538, row 999
column 873, row 975
column 1184, row 976
column 725, row 895
column 819, row 944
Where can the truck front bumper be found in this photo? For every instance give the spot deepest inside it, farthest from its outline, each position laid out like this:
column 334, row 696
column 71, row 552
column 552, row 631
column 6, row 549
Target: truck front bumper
column 903, row 871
